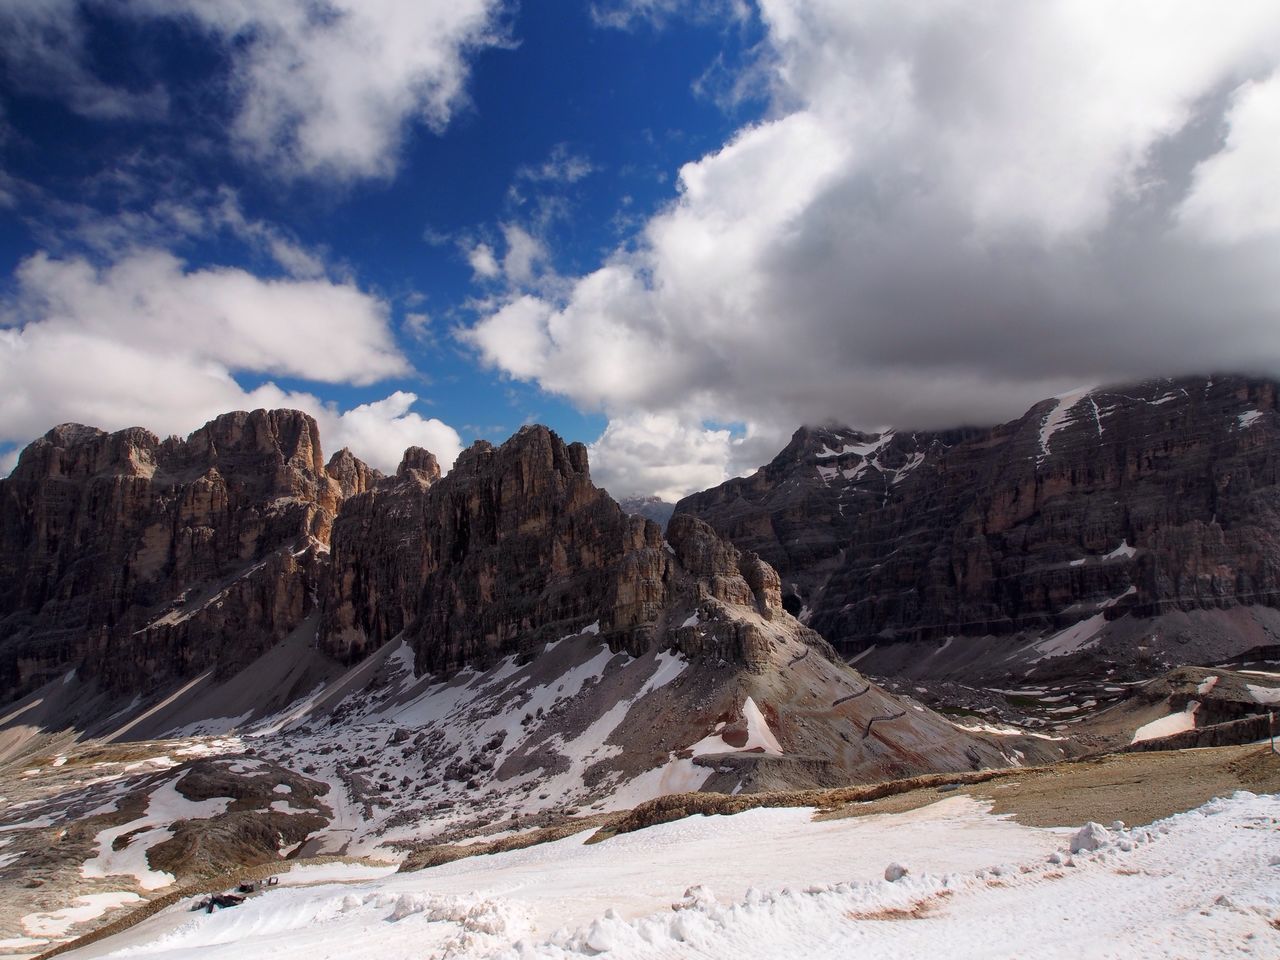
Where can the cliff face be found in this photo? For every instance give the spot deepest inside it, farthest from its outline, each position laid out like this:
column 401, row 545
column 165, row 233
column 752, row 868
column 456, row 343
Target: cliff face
column 799, row 511
column 1147, row 499
column 513, row 548
column 141, row 559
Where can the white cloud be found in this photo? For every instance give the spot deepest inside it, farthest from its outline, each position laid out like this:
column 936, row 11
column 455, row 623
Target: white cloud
column 626, row 14
column 525, row 254
column 312, row 329
column 561, row 166
column 484, row 265
column 147, row 342
column 328, row 89
column 321, row 88
column 381, row 431
column 952, row 210
column 658, row 454
column 1225, row 202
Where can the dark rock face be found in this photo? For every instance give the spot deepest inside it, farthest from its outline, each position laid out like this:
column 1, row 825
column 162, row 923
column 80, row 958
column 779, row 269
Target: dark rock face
column 514, row 547
column 377, row 561
column 798, row 512
column 140, row 559
column 1147, row 499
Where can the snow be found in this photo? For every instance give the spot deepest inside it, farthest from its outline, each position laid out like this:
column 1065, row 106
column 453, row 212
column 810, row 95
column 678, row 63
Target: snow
column 759, row 736
column 1001, row 730
column 1249, row 418
column 20, row 943
column 1178, row 722
column 1059, row 417
column 861, row 449
column 1205, row 685
column 311, row 874
column 91, row 906
column 164, row 806
column 1129, row 591
column 901, row 473
column 1264, row 694
column 772, row 883
column 1124, row 550
column 1078, row 636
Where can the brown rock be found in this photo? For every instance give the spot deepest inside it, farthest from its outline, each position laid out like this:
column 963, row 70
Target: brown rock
column 145, row 559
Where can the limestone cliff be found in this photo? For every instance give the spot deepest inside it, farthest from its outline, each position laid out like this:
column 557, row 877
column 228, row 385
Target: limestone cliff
column 138, row 559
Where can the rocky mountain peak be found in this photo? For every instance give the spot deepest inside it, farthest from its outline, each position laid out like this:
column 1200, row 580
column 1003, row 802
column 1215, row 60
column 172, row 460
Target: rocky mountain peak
column 418, row 464
column 352, row 474
column 288, row 435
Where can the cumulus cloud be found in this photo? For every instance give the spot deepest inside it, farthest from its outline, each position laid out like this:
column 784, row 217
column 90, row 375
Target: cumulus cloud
column 381, row 431
column 951, row 211
column 660, row 455
column 484, row 265
column 321, row 88
column 327, row 88
column 1225, row 202
column 149, row 342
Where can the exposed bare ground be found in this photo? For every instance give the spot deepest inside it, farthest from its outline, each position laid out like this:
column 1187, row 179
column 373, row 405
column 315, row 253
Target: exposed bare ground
column 1135, row 788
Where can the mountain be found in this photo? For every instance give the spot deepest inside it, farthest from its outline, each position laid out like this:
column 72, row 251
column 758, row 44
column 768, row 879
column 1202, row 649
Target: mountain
column 140, row 560
column 225, row 652
column 651, row 508
column 1104, row 529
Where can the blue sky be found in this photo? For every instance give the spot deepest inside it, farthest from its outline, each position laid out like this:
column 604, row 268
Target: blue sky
column 672, row 231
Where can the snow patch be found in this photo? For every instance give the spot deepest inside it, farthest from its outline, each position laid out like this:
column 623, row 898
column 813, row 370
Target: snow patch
column 55, row 923
column 1178, row 722
column 1269, row 695
column 1059, row 417
column 1079, row 636
column 1124, row 550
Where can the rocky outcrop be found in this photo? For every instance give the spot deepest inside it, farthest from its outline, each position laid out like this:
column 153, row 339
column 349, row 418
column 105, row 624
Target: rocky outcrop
column 352, row 474
column 143, row 561
column 140, row 559
column 798, row 512
column 513, row 547
column 516, row 547
column 378, row 559
column 1147, row 499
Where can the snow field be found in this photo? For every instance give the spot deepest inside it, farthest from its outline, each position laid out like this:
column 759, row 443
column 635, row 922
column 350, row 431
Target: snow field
column 772, row 883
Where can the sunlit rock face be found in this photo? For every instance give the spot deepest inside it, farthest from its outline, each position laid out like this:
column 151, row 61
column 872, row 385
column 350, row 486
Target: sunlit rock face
column 141, row 559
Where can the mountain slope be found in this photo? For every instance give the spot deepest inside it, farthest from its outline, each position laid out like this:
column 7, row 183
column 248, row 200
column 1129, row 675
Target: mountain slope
column 1114, row 519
